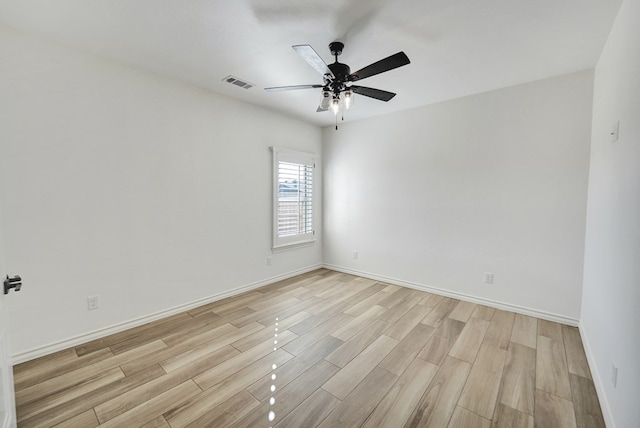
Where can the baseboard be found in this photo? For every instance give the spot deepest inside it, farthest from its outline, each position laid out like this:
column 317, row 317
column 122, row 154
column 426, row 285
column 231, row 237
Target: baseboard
column 597, row 380
column 116, row 328
column 460, row 296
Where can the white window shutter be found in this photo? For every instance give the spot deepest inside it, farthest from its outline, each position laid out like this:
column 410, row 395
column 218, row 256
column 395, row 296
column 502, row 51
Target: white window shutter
column 293, row 201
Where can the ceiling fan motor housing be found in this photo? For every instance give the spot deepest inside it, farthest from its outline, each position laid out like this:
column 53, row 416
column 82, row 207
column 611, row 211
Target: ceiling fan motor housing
column 341, row 73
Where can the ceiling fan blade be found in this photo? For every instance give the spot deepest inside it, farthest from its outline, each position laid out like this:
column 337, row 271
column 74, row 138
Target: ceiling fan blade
column 291, row 88
column 386, row 64
column 308, row 54
column 378, row 94
column 320, row 110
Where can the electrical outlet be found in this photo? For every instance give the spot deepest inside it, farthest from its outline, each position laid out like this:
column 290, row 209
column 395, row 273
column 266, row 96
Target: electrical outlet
column 614, row 375
column 488, row 278
column 93, row 302
column 269, row 261
column 355, row 255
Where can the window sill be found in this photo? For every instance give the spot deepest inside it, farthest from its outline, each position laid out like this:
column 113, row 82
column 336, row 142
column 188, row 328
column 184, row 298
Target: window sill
column 292, row 246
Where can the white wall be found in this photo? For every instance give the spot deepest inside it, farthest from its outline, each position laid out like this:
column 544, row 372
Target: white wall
column 495, row 182
column 611, row 295
column 119, row 183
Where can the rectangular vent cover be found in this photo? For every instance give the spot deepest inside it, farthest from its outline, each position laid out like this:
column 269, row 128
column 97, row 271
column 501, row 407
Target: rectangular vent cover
column 238, row 82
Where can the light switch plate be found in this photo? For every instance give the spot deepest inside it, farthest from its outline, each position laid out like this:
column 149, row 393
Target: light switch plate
column 614, row 131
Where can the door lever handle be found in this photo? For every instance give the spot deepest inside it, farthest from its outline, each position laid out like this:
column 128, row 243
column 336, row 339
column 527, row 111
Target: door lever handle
column 15, row 282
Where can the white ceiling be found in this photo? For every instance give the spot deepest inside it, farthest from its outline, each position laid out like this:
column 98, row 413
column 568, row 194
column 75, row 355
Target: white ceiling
column 456, row 47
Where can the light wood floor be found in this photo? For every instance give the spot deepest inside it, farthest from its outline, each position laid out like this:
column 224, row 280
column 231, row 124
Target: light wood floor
column 351, row 352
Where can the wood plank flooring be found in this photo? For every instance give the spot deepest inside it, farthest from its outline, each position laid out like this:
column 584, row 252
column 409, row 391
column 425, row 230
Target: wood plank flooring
column 350, row 352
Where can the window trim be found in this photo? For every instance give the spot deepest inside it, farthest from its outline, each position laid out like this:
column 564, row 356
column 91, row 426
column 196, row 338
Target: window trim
column 298, row 157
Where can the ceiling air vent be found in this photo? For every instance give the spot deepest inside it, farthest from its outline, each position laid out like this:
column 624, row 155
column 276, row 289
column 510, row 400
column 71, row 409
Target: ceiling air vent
column 238, row 82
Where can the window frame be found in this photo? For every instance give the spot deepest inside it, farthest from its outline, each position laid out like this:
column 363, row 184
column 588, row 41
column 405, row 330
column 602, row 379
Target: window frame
column 301, row 158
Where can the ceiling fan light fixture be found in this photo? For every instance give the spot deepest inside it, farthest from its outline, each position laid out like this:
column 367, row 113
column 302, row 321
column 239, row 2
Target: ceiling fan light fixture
column 325, row 100
column 335, row 104
column 347, row 99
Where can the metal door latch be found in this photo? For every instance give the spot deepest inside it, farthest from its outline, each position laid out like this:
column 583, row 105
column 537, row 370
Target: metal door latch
column 15, row 282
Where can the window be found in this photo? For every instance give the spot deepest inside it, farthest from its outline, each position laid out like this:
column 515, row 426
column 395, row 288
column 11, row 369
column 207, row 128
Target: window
column 292, row 197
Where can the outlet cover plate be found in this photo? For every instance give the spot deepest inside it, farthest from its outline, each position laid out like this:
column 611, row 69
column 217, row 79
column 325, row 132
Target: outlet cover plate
column 93, row 302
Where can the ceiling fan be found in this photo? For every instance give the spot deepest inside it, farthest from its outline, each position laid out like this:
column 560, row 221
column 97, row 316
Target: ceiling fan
column 337, row 86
